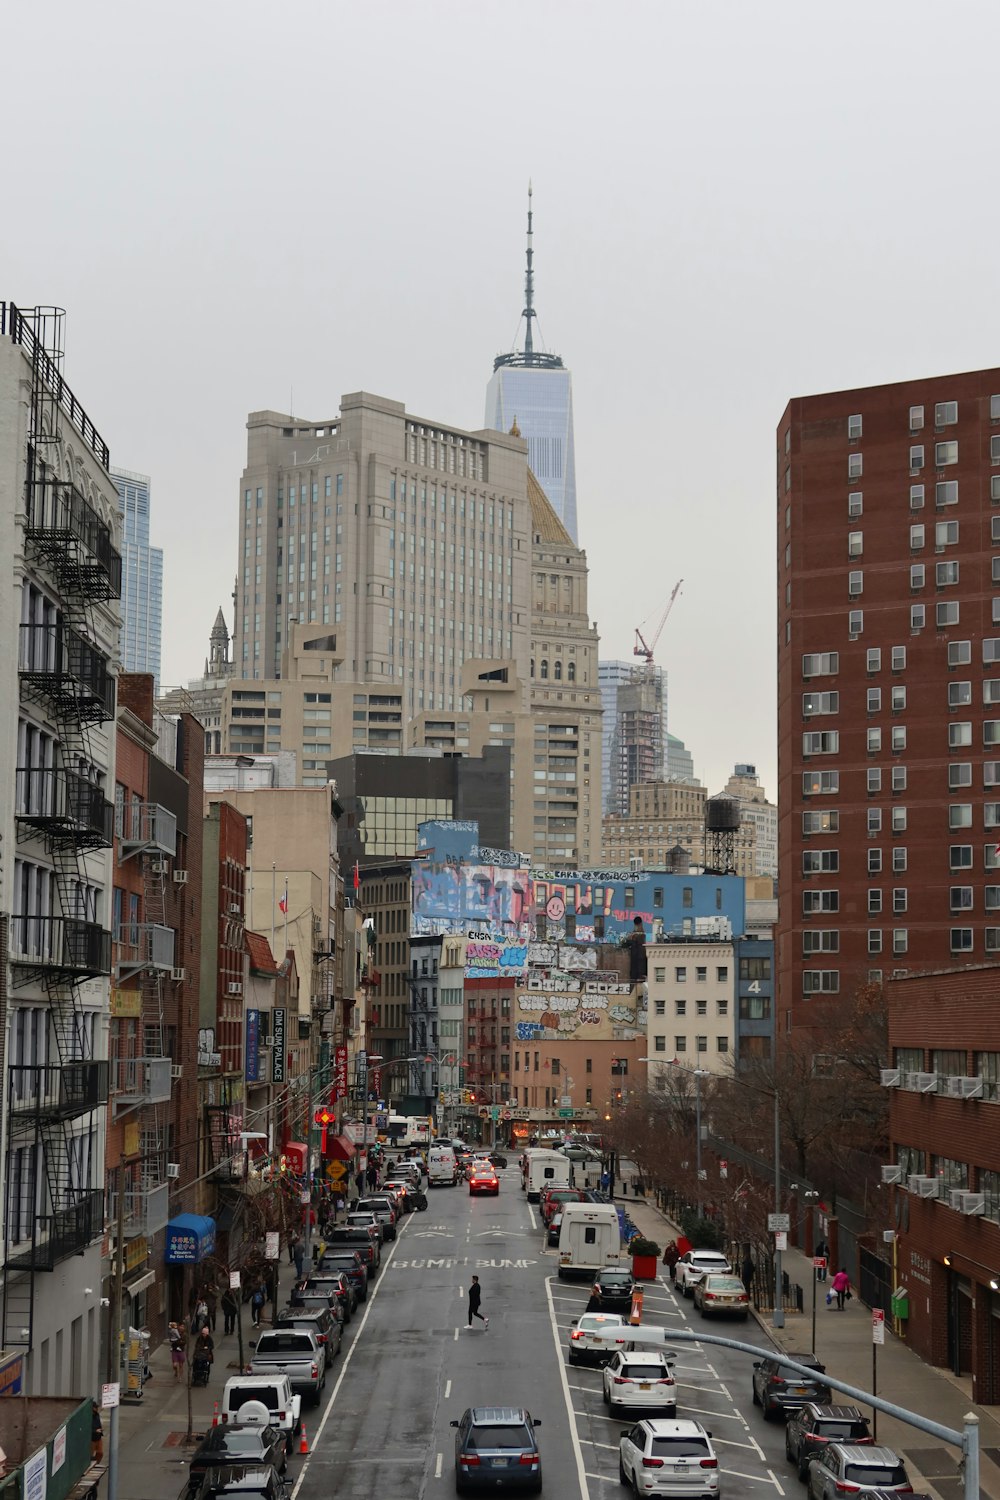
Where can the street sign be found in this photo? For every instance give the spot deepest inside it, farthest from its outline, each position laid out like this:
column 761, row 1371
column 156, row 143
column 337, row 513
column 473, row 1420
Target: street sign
column 110, row 1394
column 494, row 1111
column 776, row 1222
column 780, row 1240
column 335, row 1170
column 566, row 1099
column 819, row 1262
column 565, row 1114
column 507, row 1114
column 878, row 1325
column 234, row 1280
column 272, row 1241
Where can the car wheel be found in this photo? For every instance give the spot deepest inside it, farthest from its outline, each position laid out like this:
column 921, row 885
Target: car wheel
column 635, row 1487
column 622, row 1476
column 803, row 1471
column 753, row 1392
column 573, row 1359
column 604, row 1393
column 297, row 1429
column 788, row 1449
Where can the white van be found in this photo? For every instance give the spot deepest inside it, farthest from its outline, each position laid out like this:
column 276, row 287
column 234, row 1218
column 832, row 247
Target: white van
column 589, row 1238
column 544, row 1169
column 442, row 1167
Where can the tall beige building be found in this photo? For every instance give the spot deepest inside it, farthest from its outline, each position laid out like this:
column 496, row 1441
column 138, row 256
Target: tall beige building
column 758, row 819
column 405, row 584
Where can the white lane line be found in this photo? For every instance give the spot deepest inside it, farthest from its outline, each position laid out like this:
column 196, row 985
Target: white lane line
column 447, row 1389
column 760, row 1452
column 725, row 1416
column 777, row 1482
column 604, row 1478
column 457, row 1332
column 732, row 1443
column 574, row 1436
column 600, row 1416
column 437, row 1466
column 593, row 1443
column 767, row 1478
column 534, row 1225
column 346, row 1364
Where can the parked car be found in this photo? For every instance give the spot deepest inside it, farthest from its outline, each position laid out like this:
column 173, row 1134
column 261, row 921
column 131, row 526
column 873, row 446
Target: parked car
column 483, row 1179
column 296, row 1353
column 383, row 1207
column 332, row 1286
column 224, row 1447
column 663, row 1457
column 777, row 1390
column 358, row 1239
column 319, row 1321
column 262, row 1400
column 551, row 1199
column 584, row 1348
column 615, row 1285
column 694, row 1264
column 496, row 1449
column 345, row 1258
column 552, row 1232
column 843, row 1468
column 640, row 1378
column 245, row 1482
column 813, row 1426
column 365, row 1219
column 716, row 1293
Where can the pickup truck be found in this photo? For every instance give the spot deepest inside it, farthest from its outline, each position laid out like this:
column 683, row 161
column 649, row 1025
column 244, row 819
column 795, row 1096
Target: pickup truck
column 695, row 1264
column 358, row 1240
column 267, row 1400
column 380, row 1205
column 294, row 1352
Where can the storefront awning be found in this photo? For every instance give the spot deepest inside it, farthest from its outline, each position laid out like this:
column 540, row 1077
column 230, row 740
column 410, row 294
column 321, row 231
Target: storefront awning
column 340, row 1147
column 190, row 1237
column 133, row 1288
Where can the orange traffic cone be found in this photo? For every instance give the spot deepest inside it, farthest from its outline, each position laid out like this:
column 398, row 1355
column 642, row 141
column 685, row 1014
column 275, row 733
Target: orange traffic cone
column 303, row 1440
column 215, row 1415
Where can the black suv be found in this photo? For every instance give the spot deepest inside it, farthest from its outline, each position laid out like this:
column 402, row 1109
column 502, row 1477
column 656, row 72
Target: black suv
column 615, row 1285
column 813, row 1425
column 359, row 1240
column 496, row 1449
column 777, row 1389
column 238, row 1446
column 335, row 1282
column 251, row 1483
column 344, row 1258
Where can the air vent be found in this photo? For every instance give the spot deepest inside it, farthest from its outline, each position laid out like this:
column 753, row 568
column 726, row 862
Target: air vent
column 178, row 974
column 180, row 877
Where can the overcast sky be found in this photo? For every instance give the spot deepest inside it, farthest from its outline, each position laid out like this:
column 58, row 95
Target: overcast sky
column 734, row 204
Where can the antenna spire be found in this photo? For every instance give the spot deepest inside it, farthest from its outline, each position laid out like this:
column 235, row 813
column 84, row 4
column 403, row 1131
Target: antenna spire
column 529, row 287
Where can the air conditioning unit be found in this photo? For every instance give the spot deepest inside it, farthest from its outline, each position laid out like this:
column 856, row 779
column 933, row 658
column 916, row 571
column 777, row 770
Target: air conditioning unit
column 890, row 1078
column 915, row 1184
column 176, row 1070
column 925, row 1083
column 234, row 908
column 973, row 1203
column 908, row 1081
column 234, row 988
column 160, row 867
column 931, row 1187
column 173, row 1170
column 891, row 1174
column 966, row 1088
column 180, row 877
column 179, row 974
column 955, row 1197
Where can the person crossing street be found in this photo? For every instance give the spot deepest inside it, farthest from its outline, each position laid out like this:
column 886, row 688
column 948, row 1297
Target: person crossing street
column 475, row 1297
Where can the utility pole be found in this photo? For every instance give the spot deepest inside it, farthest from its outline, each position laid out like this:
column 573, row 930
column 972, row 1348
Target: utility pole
column 779, row 1301
column 114, row 1351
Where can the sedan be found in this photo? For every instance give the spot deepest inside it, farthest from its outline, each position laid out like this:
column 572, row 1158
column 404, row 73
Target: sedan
column 668, row 1458
column 496, row 1449
column 640, row 1379
column 585, row 1344
column 615, row 1286
column 484, row 1180
column 240, row 1444
column 716, row 1293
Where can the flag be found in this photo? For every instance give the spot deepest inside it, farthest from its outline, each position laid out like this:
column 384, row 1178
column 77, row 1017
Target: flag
column 283, row 903
column 357, row 875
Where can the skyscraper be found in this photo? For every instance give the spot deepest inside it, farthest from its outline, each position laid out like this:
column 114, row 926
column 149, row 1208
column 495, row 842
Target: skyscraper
column 535, row 390
column 634, row 733
column 142, row 578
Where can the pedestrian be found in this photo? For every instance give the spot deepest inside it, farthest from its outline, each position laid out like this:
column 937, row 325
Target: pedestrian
column 257, row 1304
column 300, row 1256
column 212, row 1303
column 200, row 1313
column 230, row 1307
column 822, row 1252
column 96, row 1433
column 204, row 1347
column 178, row 1343
column 291, row 1248
column 475, row 1297
column 671, row 1256
column 841, row 1284
column 594, row 1304
column 359, row 1182
column 624, row 1188
column 747, row 1272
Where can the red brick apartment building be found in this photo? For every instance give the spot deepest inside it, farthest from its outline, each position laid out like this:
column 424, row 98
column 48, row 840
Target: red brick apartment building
column 888, row 524
column 944, row 1129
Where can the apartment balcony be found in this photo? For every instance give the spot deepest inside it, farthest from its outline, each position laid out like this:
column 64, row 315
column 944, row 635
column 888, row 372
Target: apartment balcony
column 146, row 1210
column 57, row 1092
column 57, row 947
column 59, row 668
column 66, row 1232
column 64, row 808
column 143, row 945
column 67, row 536
column 137, row 1081
column 149, row 829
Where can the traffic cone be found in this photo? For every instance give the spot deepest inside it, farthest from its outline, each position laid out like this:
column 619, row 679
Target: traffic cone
column 215, row 1415
column 303, row 1440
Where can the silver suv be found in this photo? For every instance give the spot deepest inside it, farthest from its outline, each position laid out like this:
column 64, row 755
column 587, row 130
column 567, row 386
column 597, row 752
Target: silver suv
column 849, row 1466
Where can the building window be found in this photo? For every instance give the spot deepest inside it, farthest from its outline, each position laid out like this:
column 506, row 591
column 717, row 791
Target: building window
column 874, row 940
column 680, row 1045
column 855, row 465
column 916, row 418
column 821, row 664
column 854, row 427
column 946, row 613
column 916, row 497
column 961, row 938
column 960, row 857
column 659, row 1044
column 680, row 1007
column 900, row 940
column 945, row 453
column 855, row 584
column 680, row 975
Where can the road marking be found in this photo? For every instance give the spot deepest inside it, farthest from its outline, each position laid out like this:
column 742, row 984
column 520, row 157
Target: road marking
column 767, row 1478
column 600, row 1416
column 732, row 1443
column 534, row 1225
column 593, row 1443
column 777, row 1483
column 345, row 1365
column 604, row 1478
column 440, row 1459
column 725, row 1416
column 447, row 1389
column 457, row 1332
column 574, row 1436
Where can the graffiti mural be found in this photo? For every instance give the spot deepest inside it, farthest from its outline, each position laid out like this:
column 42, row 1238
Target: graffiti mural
column 575, row 1011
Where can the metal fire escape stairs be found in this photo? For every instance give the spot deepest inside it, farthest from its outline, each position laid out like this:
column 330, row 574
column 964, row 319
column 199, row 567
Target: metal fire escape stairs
column 53, row 1105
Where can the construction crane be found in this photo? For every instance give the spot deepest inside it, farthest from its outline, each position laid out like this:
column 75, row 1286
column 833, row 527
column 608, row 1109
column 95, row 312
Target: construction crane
column 640, row 648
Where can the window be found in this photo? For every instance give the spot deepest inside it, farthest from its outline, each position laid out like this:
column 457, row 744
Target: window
column 855, row 621
column 680, row 975
column 701, row 1007
column 898, row 859
column 946, row 613
column 991, row 732
column 820, row 940
column 946, row 493
column 755, row 1007
column 960, row 733
column 959, row 653
column 661, row 1007
column 874, row 779
column 874, row 700
column 898, row 779
column 960, row 815
column 945, row 413
column 959, row 774
column 855, row 504
column 854, row 427
column 918, row 616
column 960, row 857
column 821, row 742
column 899, row 737
column 991, row 649
column 873, row 659
column 897, row 701
column 855, row 584
column 819, row 901
column 701, row 1043
column 916, row 538
column 900, row 940
column 874, row 820
column 874, row 901
column 959, row 694
column 916, row 418
column 855, row 543
column 722, row 977
column 874, row 861
column 680, row 1045
column 991, row 690
column 820, row 822
column 855, row 465
column 820, row 861
column 722, row 1044
column 820, row 703
column 946, row 453
column 916, row 457
column 820, row 981
column 961, row 937
column 874, row 740
column 899, row 899
column 821, row 664
column 680, row 1007
column 755, row 968
column 945, row 533
column 700, row 975
column 898, row 820
column 820, row 783
column 659, row 1044
column 659, row 975
column 918, row 575
column 916, row 497
column 874, row 940
column 899, row 658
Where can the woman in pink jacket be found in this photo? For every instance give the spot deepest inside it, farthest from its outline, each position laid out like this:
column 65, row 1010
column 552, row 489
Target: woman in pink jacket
column 841, row 1284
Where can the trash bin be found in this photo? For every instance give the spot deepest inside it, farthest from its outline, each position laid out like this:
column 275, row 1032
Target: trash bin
column 900, row 1303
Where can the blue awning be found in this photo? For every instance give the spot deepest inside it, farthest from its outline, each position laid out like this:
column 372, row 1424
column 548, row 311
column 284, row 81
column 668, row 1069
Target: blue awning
column 190, row 1237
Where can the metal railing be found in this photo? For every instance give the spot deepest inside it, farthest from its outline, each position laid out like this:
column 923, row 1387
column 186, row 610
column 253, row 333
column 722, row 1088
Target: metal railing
column 62, row 942
column 66, row 1090
column 55, row 656
column 50, row 797
column 145, row 1079
column 18, row 328
column 57, row 509
column 63, row 1233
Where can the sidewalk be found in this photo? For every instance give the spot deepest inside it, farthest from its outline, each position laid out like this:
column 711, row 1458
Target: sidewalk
column 844, row 1344
column 152, row 1452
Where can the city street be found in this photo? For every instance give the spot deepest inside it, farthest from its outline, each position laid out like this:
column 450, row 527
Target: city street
column 412, row 1365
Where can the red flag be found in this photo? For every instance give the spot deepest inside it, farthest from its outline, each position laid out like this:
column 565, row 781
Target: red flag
column 357, row 875
column 283, row 904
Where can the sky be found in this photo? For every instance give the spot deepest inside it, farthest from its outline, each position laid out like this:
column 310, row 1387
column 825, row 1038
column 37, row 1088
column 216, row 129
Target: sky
column 251, row 206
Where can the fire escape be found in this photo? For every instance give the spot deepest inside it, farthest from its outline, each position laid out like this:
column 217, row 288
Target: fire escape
column 54, row 1105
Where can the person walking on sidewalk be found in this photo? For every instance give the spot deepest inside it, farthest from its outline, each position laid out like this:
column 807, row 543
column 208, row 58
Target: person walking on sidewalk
column 230, row 1307
column 841, row 1284
column 178, row 1342
column 475, row 1297
column 671, row 1256
column 96, row 1433
column 257, row 1304
column 822, row 1252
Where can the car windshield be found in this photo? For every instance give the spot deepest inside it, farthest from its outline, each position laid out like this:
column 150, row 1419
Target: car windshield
column 266, row 1394
column 233, row 1440
column 500, row 1437
column 723, row 1284
column 842, row 1432
column 642, row 1372
column 679, row 1447
column 875, row 1474
column 278, row 1343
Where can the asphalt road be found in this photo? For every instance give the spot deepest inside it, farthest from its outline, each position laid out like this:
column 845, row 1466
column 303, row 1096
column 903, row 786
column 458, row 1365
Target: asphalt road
column 410, row 1365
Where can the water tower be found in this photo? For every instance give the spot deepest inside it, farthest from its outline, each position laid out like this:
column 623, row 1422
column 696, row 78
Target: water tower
column 722, row 826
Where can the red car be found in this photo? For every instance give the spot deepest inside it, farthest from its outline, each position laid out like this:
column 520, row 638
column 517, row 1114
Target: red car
column 484, row 1180
column 552, row 1200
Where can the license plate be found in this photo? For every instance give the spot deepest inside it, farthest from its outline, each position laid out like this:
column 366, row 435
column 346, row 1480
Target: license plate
column 645, row 1385
column 499, row 1463
column 797, row 1390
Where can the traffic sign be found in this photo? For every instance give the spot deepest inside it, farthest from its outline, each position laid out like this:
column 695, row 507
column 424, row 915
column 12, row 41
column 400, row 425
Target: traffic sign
column 565, row 1114
column 819, row 1262
column 878, row 1325
column 110, row 1394
column 335, row 1170
column 507, row 1115
column 776, row 1222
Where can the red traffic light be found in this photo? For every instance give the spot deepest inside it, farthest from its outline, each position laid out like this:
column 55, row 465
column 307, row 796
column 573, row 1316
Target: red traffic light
column 324, row 1117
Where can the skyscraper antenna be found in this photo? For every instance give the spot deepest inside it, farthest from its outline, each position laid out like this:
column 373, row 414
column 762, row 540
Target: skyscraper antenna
column 529, row 287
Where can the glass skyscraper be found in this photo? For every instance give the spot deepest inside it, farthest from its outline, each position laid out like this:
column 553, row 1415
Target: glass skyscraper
column 535, row 391
column 142, row 578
